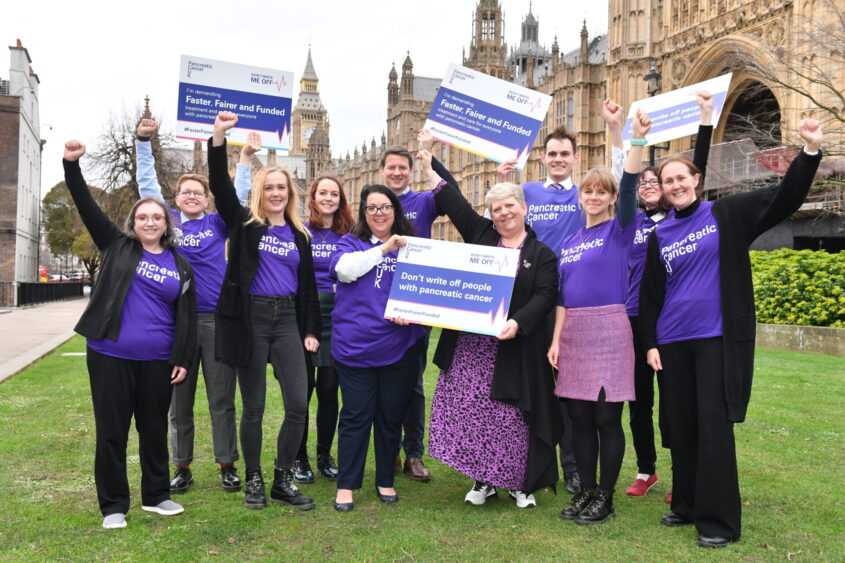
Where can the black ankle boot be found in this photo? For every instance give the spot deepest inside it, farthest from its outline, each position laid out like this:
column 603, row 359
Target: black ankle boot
column 285, row 492
column 599, row 509
column 579, row 502
column 302, row 472
column 254, row 490
column 325, row 464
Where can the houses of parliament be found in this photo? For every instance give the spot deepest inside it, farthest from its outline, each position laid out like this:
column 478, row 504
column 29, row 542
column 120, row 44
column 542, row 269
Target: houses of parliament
column 675, row 43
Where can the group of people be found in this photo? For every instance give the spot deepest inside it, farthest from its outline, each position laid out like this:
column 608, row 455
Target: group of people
column 605, row 296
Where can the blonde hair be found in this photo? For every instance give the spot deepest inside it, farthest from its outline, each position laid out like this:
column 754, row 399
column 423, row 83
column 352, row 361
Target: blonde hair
column 504, row 190
column 602, row 177
column 256, row 194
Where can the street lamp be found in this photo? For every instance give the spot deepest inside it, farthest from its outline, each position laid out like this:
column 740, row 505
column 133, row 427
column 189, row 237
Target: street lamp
column 652, row 80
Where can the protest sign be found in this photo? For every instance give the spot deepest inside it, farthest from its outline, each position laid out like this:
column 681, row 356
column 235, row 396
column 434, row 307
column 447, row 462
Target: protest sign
column 675, row 114
column 453, row 285
column 261, row 97
column 487, row 116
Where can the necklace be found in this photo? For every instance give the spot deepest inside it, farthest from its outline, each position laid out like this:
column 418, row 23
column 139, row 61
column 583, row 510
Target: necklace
column 590, row 236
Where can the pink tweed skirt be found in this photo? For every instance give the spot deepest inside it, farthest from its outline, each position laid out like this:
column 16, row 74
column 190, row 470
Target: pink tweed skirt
column 596, row 352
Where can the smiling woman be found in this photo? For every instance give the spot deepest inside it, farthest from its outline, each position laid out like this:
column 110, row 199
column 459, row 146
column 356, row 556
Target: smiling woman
column 139, row 325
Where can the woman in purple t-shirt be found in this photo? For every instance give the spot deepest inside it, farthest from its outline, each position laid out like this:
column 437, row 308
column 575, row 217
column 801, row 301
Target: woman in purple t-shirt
column 698, row 325
column 329, row 219
column 140, row 331
column 592, row 346
column 268, row 310
column 377, row 359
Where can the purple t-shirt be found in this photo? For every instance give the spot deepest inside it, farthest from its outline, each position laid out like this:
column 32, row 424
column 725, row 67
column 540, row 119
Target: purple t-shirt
column 148, row 316
column 420, row 210
column 361, row 336
column 637, row 256
column 278, row 263
column 689, row 250
column 593, row 265
column 552, row 213
column 323, row 246
column 203, row 244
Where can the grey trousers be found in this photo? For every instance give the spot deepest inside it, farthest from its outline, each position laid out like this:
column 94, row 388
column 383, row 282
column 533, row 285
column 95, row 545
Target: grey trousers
column 220, row 389
column 275, row 337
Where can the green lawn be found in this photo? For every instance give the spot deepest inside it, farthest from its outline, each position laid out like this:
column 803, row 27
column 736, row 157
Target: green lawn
column 791, row 459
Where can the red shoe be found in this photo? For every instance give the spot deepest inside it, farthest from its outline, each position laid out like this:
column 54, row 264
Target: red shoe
column 641, row 486
column 669, row 498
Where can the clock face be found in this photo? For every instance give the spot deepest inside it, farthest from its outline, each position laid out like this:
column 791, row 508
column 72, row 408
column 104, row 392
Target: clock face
column 306, row 135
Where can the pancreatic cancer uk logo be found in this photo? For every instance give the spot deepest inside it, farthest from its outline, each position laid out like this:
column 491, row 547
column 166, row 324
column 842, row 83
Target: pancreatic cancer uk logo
column 685, row 246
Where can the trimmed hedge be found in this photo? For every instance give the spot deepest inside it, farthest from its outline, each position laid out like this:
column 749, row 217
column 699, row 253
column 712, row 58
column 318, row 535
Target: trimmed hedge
column 799, row 287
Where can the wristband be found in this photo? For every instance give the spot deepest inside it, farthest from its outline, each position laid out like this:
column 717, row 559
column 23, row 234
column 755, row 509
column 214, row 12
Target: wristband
column 639, row 142
column 143, row 139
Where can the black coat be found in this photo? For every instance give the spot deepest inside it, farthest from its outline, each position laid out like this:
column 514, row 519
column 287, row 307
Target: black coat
column 233, row 332
column 740, row 218
column 120, row 256
column 522, row 376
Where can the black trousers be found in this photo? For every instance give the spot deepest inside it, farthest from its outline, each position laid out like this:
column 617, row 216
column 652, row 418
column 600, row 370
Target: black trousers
column 705, row 484
column 373, row 398
column 642, row 419
column 413, row 424
column 567, row 452
column 121, row 389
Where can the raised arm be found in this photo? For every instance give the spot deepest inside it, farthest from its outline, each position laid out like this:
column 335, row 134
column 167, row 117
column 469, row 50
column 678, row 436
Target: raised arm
column 243, row 172
column 219, row 181
column 452, row 202
column 633, row 165
column 612, row 113
column 704, row 99
column 145, row 173
column 103, row 232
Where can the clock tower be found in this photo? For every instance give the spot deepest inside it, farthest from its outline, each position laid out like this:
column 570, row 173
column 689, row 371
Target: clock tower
column 309, row 113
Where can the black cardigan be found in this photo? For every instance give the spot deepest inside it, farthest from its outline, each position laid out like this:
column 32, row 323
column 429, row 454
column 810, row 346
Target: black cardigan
column 522, row 376
column 119, row 260
column 233, row 331
column 740, row 218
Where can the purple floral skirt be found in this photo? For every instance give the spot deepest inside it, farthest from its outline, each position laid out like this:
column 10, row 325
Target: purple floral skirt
column 486, row 440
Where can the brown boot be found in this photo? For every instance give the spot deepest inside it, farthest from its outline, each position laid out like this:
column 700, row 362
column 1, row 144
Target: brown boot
column 416, row 469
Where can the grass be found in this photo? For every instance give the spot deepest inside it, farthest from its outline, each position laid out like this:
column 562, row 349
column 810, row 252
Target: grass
column 791, row 458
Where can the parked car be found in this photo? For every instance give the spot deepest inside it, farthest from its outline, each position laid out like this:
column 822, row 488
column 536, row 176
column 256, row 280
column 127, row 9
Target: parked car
column 55, row 278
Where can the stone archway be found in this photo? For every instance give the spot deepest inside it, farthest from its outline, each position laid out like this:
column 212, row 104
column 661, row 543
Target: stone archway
column 752, row 112
column 725, row 55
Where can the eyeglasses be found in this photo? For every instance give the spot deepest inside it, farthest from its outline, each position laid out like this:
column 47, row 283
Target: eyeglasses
column 157, row 218
column 652, row 182
column 385, row 209
column 192, row 194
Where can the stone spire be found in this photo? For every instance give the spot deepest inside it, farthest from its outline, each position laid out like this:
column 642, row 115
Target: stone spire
column 309, row 73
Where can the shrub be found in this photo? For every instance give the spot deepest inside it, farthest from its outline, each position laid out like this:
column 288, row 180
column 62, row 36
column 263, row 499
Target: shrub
column 799, row 287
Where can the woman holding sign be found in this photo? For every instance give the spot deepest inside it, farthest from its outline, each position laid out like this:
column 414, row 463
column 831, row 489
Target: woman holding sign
column 268, row 309
column 376, row 359
column 140, row 326
column 592, row 345
column 494, row 417
column 698, row 324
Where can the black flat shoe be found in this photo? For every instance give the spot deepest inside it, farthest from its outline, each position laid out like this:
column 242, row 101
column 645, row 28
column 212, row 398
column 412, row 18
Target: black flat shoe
column 674, row 520
column 714, row 541
column 344, row 506
column 387, row 499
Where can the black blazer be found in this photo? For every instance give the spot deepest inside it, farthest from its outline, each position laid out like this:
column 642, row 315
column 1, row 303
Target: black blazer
column 522, row 376
column 233, row 331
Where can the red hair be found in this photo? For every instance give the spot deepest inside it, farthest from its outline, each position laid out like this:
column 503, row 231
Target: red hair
column 342, row 221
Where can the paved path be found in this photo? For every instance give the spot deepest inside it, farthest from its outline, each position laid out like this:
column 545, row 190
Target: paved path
column 28, row 333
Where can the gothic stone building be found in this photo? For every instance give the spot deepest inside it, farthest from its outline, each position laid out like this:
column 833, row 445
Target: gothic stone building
column 685, row 42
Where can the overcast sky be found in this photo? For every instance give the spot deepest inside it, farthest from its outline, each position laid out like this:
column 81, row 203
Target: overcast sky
column 93, row 59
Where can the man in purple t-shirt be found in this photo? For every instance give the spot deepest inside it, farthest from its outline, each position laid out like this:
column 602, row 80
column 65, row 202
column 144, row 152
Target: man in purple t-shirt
column 397, row 167
column 554, row 215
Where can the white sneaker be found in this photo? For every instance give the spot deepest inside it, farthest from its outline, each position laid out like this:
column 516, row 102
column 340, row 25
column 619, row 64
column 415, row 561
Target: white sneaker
column 116, row 520
column 479, row 493
column 523, row 500
column 165, row 508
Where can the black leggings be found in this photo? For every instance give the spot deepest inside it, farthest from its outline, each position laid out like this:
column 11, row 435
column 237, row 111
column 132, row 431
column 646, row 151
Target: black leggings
column 597, row 429
column 325, row 382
